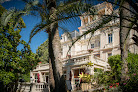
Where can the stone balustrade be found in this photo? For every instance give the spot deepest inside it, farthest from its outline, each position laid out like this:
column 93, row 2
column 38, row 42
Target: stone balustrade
column 41, row 87
column 33, row 87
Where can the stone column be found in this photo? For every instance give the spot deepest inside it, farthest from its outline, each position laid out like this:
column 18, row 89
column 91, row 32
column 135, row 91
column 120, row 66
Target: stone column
column 68, row 81
column 33, row 77
column 93, row 61
column 73, row 80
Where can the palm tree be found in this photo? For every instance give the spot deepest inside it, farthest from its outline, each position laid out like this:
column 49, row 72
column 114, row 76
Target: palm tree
column 107, row 19
column 51, row 13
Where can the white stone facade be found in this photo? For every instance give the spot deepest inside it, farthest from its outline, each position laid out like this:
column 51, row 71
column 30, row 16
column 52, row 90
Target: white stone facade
column 103, row 42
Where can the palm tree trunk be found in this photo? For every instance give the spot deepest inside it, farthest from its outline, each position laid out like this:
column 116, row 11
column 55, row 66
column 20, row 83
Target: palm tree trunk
column 124, row 43
column 51, row 77
column 55, row 63
column 58, row 83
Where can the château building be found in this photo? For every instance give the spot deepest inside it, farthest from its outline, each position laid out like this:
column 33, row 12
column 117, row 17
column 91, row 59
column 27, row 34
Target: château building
column 94, row 47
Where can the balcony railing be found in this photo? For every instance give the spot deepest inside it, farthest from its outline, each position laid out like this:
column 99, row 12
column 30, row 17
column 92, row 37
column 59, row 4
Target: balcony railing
column 41, row 87
column 33, row 87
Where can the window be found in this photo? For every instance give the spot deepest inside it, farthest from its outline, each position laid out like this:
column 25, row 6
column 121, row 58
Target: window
column 36, row 78
column 92, row 45
column 46, row 77
column 109, row 38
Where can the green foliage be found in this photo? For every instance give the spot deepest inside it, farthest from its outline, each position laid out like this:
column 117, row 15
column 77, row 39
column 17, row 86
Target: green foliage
column 2, row 9
column 132, row 63
column 42, row 52
column 115, row 64
column 132, row 83
column 85, row 78
column 26, row 77
column 89, row 64
column 112, row 79
column 98, row 70
column 13, row 62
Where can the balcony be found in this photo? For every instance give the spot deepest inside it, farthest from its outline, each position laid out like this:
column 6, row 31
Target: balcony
column 33, row 87
column 77, row 61
column 41, row 67
column 110, row 45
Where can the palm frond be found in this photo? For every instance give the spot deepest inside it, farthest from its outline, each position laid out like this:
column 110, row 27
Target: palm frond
column 135, row 38
column 36, row 29
column 6, row 16
column 16, row 14
column 133, row 4
column 31, row 4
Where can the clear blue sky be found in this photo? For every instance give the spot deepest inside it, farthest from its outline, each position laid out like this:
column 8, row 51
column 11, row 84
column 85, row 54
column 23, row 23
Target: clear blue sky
column 31, row 21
